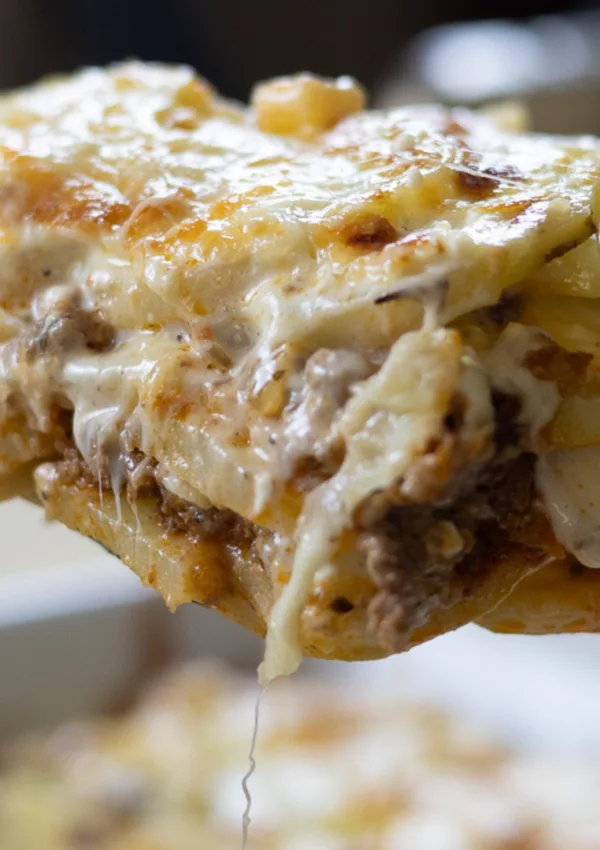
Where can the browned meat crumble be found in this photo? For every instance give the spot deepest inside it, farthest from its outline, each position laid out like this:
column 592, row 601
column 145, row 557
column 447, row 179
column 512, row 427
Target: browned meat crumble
column 428, row 547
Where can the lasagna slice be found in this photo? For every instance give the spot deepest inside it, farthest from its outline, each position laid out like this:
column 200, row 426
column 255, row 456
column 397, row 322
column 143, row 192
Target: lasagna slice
column 286, row 360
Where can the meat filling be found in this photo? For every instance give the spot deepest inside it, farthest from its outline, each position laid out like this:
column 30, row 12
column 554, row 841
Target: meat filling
column 424, row 556
column 428, row 540
column 70, row 330
column 175, row 515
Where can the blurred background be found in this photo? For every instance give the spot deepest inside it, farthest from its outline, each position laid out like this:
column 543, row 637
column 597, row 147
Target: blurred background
column 543, row 53
column 78, row 633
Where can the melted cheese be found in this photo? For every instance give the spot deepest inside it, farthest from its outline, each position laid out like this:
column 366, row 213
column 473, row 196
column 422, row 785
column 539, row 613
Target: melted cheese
column 104, row 390
column 386, row 425
column 505, row 363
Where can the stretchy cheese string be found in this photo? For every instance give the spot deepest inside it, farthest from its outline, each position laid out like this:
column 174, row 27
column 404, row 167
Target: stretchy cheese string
column 251, row 769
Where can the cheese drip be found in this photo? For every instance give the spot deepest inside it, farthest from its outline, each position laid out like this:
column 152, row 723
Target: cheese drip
column 388, row 422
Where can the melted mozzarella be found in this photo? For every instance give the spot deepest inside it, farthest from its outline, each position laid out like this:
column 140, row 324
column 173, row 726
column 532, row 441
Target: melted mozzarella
column 105, row 388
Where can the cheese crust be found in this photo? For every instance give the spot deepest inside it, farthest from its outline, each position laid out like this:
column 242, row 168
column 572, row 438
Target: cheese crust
column 288, row 355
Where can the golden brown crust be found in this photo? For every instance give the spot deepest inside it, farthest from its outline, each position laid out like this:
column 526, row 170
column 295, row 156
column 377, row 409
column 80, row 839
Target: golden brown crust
column 182, row 570
column 561, row 597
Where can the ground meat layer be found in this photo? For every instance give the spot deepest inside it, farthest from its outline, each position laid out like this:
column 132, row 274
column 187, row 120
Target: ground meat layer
column 428, row 541
column 422, row 556
column 175, row 515
column 427, row 555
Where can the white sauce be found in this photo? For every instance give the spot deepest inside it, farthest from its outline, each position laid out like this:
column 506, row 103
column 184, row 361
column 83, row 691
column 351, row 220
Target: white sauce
column 539, row 399
column 104, row 389
column 570, row 484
